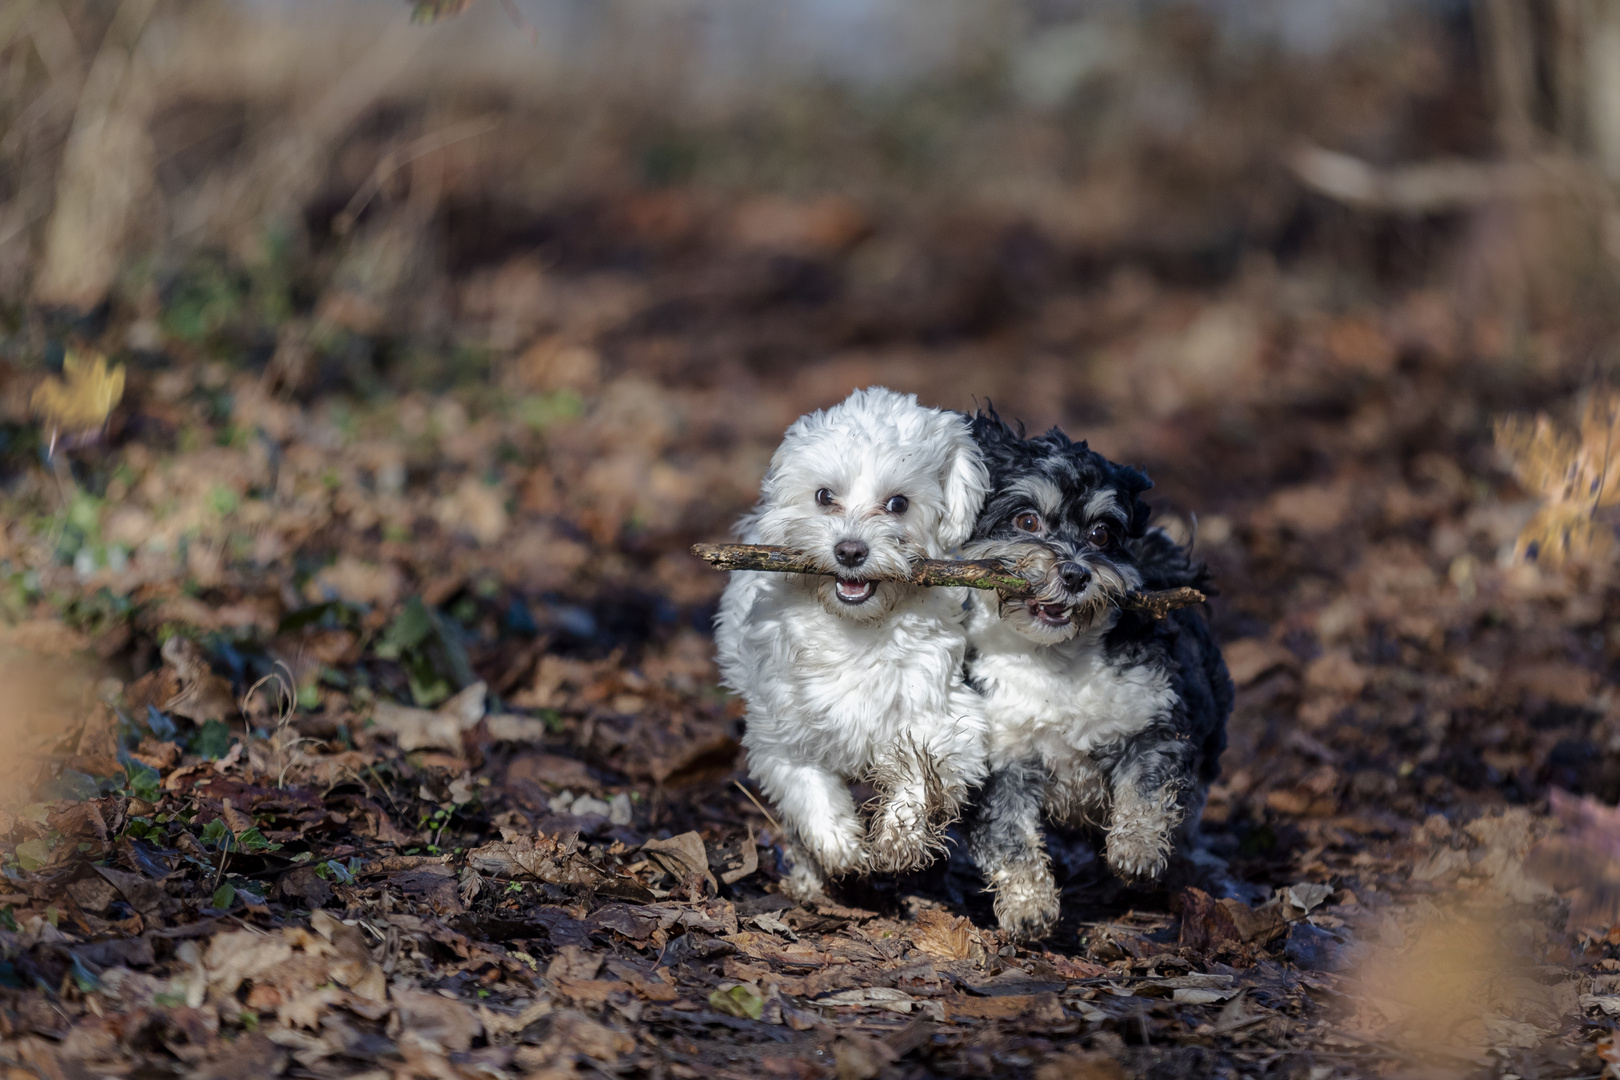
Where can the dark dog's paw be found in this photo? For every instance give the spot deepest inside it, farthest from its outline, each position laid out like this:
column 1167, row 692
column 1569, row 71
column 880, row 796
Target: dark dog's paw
column 1138, row 856
column 1027, row 901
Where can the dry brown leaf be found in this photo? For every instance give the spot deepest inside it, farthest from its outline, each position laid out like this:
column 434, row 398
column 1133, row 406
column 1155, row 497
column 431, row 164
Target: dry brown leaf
column 1080, row 1065
column 1045, row 1007
column 203, row 695
column 435, row 1023
column 943, row 936
column 441, row 728
column 353, row 966
column 1249, row 658
column 684, row 857
column 543, row 858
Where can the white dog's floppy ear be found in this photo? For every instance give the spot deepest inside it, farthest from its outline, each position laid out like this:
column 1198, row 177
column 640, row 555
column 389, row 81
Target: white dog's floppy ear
column 966, row 483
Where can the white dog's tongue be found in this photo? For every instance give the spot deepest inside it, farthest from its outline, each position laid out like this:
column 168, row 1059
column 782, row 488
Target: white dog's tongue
column 855, row 591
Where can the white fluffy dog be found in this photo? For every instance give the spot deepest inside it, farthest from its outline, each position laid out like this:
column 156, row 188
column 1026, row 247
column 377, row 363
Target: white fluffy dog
column 847, row 677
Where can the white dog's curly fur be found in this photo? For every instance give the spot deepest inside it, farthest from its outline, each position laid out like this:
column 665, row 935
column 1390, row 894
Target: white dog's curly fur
column 847, row 677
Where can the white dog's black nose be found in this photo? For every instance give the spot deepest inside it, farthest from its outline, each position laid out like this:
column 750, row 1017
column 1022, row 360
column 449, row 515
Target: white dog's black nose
column 850, row 553
column 1074, row 576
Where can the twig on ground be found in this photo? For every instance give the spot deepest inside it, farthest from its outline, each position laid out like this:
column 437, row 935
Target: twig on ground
column 973, row 574
column 757, row 803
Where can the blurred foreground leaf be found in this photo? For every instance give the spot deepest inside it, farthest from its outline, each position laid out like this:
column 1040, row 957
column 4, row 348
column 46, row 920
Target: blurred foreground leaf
column 1572, row 472
column 741, row 1000
column 81, row 399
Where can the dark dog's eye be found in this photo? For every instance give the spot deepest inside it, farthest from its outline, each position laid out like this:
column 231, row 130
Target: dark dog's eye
column 897, row 504
column 824, row 497
column 1028, row 522
column 1100, row 536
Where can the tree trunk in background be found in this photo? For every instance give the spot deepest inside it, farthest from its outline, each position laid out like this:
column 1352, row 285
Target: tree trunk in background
column 1602, row 85
column 106, row 171
column 1507, row 44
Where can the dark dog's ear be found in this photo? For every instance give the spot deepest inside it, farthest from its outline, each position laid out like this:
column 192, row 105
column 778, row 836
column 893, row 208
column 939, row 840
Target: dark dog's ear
column 989, row 430
column 1132, row 482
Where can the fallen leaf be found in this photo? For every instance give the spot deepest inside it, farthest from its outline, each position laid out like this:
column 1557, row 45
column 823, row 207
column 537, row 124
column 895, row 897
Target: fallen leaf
column 1249, row 658
column 435, row 1023
column 1080, row 1065
column 943, row 936
column 203, row 696
column 1044, row 1008
column 683, row 857
column 433, row 729
column 354, row 966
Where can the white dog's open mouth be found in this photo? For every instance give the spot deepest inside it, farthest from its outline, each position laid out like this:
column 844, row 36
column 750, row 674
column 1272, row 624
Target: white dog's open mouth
column 1050, row 614
column 856, row 592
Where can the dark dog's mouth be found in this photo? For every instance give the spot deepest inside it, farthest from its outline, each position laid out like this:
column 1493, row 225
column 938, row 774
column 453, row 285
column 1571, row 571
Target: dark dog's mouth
column 1050, row 614
column 855, row 592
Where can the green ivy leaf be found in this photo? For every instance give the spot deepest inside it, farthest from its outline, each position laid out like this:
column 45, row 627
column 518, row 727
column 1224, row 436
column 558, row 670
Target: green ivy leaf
column 145, row 782
column 212, row 741
column 252, row 841
column 33, row 854
column 224, row 897
column 215, row 834
column 333, row 870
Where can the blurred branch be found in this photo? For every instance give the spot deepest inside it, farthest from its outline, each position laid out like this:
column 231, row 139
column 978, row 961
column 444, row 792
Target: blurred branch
column 1430, row 188
column 397, row 159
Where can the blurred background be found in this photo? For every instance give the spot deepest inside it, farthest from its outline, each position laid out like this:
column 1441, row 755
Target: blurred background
column 500, row 305
column 399, row 348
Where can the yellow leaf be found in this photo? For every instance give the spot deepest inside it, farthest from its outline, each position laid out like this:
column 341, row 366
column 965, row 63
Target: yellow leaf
column 1564, row 532
column 82, row 398
column 1574, row 473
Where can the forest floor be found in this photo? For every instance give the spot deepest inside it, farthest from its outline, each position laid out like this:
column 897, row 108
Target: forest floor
column 366, row 720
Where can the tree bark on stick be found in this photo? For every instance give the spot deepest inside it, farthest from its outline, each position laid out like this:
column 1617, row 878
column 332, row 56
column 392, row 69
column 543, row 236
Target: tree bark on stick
column 970, row 573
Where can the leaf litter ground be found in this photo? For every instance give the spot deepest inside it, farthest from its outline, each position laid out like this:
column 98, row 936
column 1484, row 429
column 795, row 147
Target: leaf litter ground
column 376, row 734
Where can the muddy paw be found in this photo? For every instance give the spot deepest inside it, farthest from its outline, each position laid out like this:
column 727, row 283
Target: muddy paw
column 897, row 846
column 1138, row 857
column 1027, row 902
column 803, row 885
column 837, row 852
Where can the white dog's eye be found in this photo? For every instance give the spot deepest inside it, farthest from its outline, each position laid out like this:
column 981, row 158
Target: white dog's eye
column 1101, row 536
column 1028, row 521
column 824, row 497
column 897, row 504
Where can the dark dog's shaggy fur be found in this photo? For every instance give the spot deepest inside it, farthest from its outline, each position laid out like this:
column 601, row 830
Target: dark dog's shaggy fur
column 1097, row 715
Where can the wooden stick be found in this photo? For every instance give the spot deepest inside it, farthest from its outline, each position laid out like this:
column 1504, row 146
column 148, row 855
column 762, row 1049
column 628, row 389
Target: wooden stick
column 971, row 573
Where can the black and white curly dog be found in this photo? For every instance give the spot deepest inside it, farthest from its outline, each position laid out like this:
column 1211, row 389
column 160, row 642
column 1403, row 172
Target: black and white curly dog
column 1098, row 715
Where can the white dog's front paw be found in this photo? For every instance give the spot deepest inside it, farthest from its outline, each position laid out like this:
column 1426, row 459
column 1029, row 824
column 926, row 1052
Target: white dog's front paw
column 1138, row 854
column 901, row 841
column 838, row 851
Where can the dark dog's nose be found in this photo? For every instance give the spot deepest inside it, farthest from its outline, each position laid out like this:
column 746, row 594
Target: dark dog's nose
column 1074, row 576
column 850, row 553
